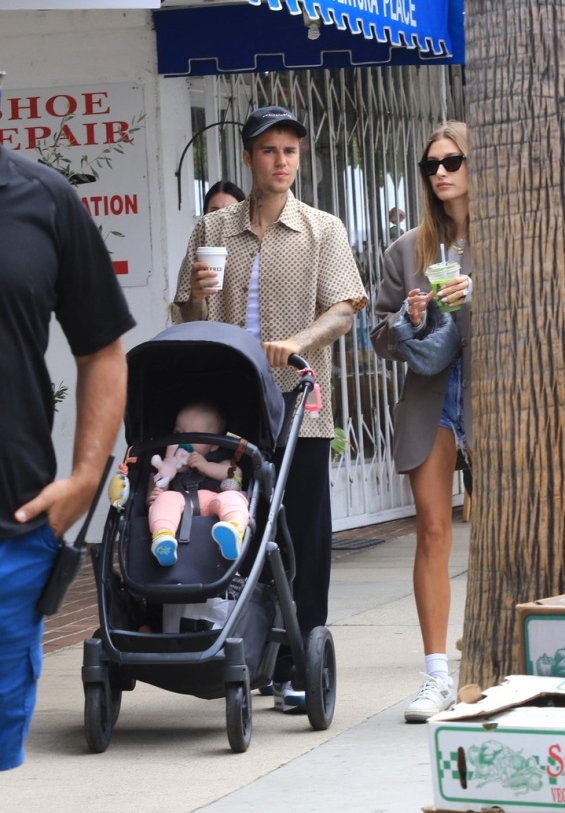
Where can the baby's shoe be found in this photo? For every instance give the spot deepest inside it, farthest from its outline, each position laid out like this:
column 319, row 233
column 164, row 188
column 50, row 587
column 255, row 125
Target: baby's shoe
column 228, row 535
column 164, row 548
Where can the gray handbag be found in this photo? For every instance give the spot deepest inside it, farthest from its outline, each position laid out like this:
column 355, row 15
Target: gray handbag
column 430, row 349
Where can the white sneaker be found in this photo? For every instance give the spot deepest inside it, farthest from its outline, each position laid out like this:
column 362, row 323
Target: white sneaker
column 435, row 694
column 288, row 699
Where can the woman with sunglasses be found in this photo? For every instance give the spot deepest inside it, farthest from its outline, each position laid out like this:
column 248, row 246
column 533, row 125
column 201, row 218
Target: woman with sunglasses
column 432, row 420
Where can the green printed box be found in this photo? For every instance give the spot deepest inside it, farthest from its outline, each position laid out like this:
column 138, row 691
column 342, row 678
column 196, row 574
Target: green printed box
column 504, row 751
column 541, row 626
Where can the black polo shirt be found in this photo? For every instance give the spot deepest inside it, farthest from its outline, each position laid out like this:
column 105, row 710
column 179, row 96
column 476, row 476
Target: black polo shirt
column 52, row 259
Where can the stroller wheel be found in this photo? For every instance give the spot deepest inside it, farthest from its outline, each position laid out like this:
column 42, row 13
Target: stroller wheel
column 320, row 678
column 98, row 718
column 238, row 716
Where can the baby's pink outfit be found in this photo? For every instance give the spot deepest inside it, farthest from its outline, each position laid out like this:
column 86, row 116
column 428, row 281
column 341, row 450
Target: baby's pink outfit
column 229, row 506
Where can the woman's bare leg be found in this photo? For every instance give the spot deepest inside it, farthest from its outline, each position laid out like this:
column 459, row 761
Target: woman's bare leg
column 432, row 487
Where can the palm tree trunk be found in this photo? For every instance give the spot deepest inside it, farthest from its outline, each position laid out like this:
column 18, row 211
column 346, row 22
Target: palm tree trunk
column 516, row 113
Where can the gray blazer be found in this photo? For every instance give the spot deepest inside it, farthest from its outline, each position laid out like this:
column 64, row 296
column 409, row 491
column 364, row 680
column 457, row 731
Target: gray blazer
column 417, row 413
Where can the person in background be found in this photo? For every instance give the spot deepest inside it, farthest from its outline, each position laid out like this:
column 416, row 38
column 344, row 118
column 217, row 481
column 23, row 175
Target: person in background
column 292, row 281
column 220, row 194
column 396, row 217
column 53, row 259
column 432, row 420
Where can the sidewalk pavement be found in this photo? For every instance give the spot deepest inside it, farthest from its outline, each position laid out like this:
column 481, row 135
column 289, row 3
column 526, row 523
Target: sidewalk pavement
column 169, row 752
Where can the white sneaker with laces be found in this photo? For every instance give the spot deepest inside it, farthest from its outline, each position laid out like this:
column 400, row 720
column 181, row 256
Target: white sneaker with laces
column 435, row 694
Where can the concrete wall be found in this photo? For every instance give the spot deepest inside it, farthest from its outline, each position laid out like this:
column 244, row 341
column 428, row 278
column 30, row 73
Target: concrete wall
column 60, row 48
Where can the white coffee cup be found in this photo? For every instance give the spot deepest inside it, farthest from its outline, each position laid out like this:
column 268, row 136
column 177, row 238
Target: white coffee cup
column 215, row 257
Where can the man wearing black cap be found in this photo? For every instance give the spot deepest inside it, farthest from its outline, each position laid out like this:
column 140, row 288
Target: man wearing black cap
column 292, row 281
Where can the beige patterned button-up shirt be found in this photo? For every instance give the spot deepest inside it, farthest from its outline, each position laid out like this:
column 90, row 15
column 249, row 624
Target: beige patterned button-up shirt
column 306, row 265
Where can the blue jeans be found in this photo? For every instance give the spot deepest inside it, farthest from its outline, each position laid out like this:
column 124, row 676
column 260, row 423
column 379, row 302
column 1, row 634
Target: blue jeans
column 452, row 409
column 25, row 564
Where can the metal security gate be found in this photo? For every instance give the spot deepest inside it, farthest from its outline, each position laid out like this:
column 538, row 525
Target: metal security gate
column 366, row 130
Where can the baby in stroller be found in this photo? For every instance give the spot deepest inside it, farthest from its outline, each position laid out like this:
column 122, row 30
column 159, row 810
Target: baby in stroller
column 198, row 478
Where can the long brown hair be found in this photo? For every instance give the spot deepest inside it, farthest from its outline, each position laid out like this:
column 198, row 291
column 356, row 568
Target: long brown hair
column 437, row 227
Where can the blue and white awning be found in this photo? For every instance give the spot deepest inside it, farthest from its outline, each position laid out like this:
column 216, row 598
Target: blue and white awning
column 421, row 24
column 243, row 38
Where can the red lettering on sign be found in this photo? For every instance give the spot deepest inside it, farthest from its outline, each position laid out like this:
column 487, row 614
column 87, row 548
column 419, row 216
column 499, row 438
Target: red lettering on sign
column 35, row 134
column 130, row 204
column 61, row 105
column 89, row 127
column 93, row 103
column 71, row 133
column 106, row 205
column 66, row 134
column 18, row 106
column 7, row 137
column 120, row 266
column 116, row 131
column 558, row 794
column 554, row 753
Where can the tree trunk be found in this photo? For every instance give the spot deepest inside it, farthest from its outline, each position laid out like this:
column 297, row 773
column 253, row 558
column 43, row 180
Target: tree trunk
column 516, row 113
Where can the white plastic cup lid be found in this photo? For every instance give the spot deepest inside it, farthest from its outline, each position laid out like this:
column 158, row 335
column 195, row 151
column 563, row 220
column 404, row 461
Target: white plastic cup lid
column 211, row 250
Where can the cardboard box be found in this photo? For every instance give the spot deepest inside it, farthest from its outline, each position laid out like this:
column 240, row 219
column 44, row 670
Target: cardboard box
column 541, row 626
column 483, row 810
column 506, row 751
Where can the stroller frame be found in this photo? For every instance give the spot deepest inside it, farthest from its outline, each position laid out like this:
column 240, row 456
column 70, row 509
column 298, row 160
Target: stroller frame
column 114, row 659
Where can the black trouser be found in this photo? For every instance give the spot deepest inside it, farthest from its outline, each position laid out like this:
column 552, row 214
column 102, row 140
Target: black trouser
column 308, row 515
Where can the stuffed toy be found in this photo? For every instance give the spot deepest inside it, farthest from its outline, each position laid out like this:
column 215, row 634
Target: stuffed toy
column 168, row 468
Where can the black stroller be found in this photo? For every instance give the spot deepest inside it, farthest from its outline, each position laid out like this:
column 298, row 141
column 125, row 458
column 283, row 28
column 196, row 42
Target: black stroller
column 219, row 363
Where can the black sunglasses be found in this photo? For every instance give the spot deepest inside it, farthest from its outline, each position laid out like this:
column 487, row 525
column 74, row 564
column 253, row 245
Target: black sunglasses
column 452, row 163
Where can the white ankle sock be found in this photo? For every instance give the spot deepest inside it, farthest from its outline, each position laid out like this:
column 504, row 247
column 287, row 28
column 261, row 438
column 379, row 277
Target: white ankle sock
column 436, row 665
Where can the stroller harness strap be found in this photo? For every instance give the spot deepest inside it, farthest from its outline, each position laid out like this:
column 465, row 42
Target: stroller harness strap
column 189, row 481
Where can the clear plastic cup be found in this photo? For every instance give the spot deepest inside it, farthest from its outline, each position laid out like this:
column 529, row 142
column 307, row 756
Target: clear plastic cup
column 439, row 274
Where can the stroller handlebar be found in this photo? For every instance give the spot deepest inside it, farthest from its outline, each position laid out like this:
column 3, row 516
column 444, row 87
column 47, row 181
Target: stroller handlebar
column 312, row 398
column 296, row 361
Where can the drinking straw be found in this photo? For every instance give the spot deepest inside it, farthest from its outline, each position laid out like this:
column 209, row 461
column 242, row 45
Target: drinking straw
column 442, row 249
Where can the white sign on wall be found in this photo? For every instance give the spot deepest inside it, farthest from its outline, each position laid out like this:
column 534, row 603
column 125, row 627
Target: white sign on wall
column 94, row 132
column 34, row 5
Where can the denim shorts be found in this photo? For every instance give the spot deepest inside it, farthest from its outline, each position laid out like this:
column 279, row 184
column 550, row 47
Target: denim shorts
column 25, row 564
column 452, row 409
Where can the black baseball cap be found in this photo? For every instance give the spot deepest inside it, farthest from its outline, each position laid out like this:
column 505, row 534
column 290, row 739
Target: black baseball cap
column 265, row 117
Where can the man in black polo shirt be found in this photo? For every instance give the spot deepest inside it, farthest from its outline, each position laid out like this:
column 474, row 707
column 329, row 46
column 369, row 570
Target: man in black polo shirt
column 52, row 260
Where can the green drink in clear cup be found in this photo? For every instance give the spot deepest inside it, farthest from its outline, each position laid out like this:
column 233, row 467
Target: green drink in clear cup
column 439, row 274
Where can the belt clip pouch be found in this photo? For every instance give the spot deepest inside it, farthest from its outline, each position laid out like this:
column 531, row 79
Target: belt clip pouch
column 69, row 560
column 67, row 565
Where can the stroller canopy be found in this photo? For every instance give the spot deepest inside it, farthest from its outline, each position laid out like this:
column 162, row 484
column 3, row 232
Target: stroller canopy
column 203, row 361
